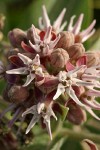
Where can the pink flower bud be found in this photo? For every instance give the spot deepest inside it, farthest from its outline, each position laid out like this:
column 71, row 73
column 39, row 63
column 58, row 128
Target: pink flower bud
column 18, row 94
column 66, row 40
column 16, row 36
column 75, row 51
column 59, row 58
column 93, row 58
column 76, row 114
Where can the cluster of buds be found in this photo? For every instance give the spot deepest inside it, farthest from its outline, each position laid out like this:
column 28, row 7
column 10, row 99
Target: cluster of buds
column 49, row 72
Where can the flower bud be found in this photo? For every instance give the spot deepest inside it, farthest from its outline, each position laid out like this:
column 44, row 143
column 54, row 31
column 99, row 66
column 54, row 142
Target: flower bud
column 75, row 114
column 75, row 51
column 18, row 94
column 59, row 58
column 16, row 36
column 66, row 40
column 93, row 58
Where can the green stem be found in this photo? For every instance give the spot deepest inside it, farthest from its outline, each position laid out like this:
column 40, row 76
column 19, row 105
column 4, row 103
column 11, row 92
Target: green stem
column 79, row 135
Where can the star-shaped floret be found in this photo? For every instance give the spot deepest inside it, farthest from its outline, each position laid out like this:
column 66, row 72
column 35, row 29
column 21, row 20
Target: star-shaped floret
column 31, row 68
column 39, row 111
column 44, row 46
column 85, row 34
column 44, row 21
column 69, row 79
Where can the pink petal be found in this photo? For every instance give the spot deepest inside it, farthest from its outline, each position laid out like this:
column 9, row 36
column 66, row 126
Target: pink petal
column 30, row 78
column 27, row 48
column 69, row 66
column 91, row 144
column 81, row 61
column 26, row 60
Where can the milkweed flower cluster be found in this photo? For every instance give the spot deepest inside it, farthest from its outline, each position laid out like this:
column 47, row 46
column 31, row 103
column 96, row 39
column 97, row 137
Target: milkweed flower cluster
column 49, row 70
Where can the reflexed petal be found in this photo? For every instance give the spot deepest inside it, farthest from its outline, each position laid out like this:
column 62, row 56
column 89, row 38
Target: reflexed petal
column 26, row 60
column 93, row 92
column 91, row 104
column 60, row 90
column 36, row 47
column 48, row 126
column 31, row 110
column 92, row 113
column 22, row 70
column 88, row 36
column 27, row 48
column 41, row 23
column 34, row 120
column 88, row 30
column 30, row 78
column 62, row 27
column 72, row 95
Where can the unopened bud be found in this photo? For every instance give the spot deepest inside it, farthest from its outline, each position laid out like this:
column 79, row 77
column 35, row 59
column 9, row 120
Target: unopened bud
column 93, row 58
column 18, row 94
column 59, row 58
column 66, row 40
column 75, row 51
column 16, row 36
column 76, row 114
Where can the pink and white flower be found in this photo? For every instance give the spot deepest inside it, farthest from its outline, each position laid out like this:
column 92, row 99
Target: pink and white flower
column 31, row 68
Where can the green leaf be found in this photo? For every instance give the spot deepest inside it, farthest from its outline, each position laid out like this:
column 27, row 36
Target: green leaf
column 58, row 145
column 64, row 112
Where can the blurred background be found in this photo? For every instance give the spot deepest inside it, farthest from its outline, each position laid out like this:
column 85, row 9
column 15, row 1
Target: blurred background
column 23, row 13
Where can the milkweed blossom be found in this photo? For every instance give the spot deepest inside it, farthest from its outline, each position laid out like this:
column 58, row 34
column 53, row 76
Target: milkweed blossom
column 49, row 70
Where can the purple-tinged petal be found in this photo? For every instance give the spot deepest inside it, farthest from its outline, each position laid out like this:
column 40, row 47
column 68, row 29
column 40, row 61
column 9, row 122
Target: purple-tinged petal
column 35, row 35
column 69, row 66
column 88, row 30
column 30, row 78
column 78, row 24
column 46, row 20
column 22, row 70
column 27, row 48
column 88, row 36
column 72, row 95
column 58, row 21
column 91, row 104
column 81, row 61
column 70, row 26
column 60, row 90
column 16, row 60
column 47, row 36
column 93, row 92
column 26, row 60
column 35, row 47
column 90, row 144
column 92, row 113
